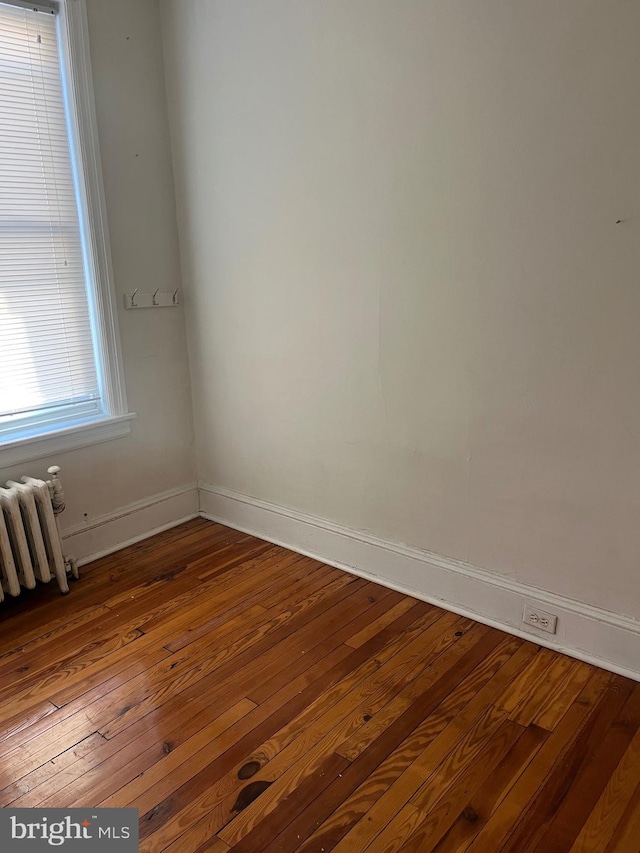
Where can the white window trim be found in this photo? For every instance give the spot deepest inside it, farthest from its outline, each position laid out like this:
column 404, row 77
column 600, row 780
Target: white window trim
column 70, row 438
column 74, row 49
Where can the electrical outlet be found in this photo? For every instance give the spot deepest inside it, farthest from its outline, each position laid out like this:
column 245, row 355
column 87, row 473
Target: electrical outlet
column 539, row 619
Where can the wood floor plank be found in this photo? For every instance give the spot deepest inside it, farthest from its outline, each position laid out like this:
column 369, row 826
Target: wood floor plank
column 254, row 657
column 190, row 842
column 448, row 795
column 132, row 761
column 218, row 594
column 366, row 763
column 247, row 698
column 381, row 622
column 56, row 630
column 86, row 673
column 145, row 792
column 301, row 584
column 69, row 661
column 434, row 751
column 21, row 727
column 341, row 786
column 74, row 676
column 123, row 701
column 560, row 701
column 151, row 739
column 546, row 687
column 551, row 755
column 181, row 811
column 516, row 694
column 225, row 560
column 408, row 624
column 239, row 737
column 321, row 734
column 46, row 772
column 342, row 820
column 211, row 807
column 627, row 832
column 30, row 615
column 44, row 725
column 592, row 760
column 464, row 691
column 460, row 756
column 610, row 808
column 470, row 819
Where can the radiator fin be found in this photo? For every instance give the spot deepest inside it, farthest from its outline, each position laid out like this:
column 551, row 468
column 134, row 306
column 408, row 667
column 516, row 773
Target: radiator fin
column 30, row 543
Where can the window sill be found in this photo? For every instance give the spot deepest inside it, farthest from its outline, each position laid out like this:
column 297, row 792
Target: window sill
column 60, row 441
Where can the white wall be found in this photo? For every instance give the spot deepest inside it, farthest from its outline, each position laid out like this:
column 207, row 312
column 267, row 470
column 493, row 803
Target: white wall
column 158, row 456
column 411, row 308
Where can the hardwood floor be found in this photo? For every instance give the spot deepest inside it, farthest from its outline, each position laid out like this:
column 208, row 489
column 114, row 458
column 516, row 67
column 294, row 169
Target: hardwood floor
column 246, row 698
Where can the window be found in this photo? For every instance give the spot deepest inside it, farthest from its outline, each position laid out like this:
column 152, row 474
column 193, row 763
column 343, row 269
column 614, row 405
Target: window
column 60, row 373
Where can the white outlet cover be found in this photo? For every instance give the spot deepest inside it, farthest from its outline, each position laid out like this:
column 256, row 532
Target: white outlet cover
column 539, row 620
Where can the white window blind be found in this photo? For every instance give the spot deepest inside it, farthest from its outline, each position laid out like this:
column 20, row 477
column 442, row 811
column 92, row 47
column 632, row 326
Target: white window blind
column 48, row 372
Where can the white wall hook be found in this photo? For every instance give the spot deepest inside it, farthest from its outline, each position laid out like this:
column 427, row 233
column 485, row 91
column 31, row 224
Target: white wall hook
column 151, row 299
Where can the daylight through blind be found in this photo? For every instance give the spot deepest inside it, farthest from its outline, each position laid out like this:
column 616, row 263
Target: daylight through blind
column 47, row 359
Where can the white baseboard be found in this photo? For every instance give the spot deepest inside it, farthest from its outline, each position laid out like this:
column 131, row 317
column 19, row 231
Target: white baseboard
column 131, row 523
column 585, row 632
